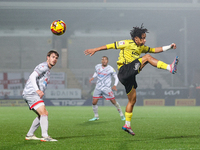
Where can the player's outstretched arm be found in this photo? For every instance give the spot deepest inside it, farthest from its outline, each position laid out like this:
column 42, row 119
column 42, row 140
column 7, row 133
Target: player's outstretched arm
column 94, row 50
column 165, row 48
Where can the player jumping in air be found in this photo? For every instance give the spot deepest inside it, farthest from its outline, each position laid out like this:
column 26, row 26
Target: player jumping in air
column 104, row 73
column 33, row 93
column 130, row 64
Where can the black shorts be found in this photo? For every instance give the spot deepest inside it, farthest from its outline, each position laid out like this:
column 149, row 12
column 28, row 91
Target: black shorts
column 127, row 75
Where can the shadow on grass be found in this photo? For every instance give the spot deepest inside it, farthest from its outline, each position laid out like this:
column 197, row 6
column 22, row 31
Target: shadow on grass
column 179, row 137
column 93, row 123
column 167, row 138
column 80, row 136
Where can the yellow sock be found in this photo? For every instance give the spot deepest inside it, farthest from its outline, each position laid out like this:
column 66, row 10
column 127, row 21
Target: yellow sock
column 128, row 116
column 161, row 65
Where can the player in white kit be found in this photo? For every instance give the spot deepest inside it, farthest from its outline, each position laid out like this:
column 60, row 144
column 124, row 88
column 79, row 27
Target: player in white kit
column 33, row 93
column 104, row 73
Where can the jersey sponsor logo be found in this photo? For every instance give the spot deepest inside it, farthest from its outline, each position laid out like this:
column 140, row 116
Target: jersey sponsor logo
column 135, row 53
column 121, row 42
column 101, row 74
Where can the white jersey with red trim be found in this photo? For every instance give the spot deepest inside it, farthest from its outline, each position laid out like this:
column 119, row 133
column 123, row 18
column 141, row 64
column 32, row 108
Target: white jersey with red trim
column 104, row 76
column 42, row 79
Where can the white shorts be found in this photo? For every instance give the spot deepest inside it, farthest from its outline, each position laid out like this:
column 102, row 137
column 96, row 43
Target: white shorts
column 104, row 92
column 33, row 101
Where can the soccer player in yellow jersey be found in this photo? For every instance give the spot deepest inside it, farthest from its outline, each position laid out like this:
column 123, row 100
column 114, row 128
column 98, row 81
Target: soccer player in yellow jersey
column 130, row 64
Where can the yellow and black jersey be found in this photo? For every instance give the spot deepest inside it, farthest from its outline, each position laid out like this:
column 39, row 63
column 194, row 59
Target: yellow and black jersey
column 129, row 51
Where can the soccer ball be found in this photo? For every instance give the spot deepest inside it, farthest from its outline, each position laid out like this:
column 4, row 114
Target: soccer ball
column 58, row 27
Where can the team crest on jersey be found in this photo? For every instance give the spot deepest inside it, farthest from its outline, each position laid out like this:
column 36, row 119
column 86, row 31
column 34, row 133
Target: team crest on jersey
column 121, row 42
column 137, row 65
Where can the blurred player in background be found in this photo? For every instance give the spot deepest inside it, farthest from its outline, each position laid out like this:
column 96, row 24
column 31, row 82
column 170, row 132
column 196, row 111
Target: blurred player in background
column 104, row 73
column 130, row 64
column 33, row 93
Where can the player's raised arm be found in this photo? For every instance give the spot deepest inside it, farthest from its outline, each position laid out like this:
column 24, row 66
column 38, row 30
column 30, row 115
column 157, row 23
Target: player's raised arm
column 165, row 48
column 94, row 50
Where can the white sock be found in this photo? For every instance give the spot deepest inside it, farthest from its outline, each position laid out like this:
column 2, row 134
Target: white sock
column 118, row 108
column 95, row 110
column 34, row 126
column 44, row 125
column 168, row 67
column 128, row 123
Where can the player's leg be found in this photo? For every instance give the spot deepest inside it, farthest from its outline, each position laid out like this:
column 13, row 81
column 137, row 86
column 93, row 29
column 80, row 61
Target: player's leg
column 129, row 109
column 159, row 64
column 43, row 120
column 118, row 107
column 126, row 76
column 97, row 94
column 33, row 102
column 41, row 110
column 95, row 109
column 30, row 135
column 109, row 95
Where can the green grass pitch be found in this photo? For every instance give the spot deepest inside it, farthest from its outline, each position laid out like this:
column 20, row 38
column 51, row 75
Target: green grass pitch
column 163, row 128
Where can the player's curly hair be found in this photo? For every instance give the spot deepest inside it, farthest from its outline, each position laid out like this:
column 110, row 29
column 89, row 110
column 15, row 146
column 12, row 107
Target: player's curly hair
column 138, row 31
